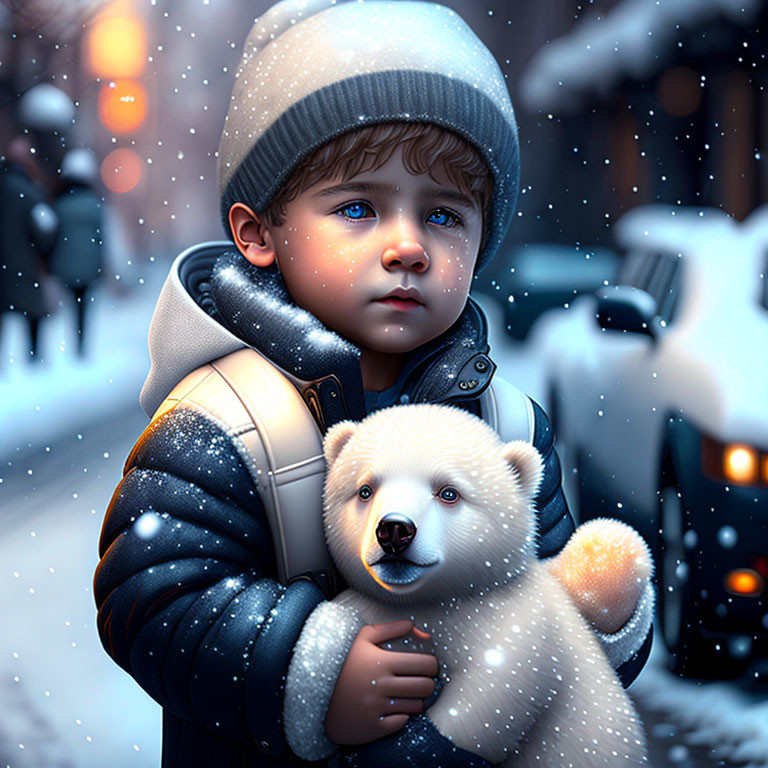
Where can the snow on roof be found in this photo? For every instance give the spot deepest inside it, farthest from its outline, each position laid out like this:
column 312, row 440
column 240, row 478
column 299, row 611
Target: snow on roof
column 628, row 41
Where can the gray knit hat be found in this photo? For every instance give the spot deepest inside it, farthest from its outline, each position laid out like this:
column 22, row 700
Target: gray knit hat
column 312, row 70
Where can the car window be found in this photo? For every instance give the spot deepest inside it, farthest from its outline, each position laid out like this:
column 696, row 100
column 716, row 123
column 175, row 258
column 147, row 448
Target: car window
column 659, row 274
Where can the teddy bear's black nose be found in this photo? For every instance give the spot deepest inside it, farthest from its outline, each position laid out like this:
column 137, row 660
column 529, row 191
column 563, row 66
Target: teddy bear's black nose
column 395, row 532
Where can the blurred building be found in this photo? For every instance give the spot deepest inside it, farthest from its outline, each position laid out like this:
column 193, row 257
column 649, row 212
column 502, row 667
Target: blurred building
column 619, row 103
column 647, row 102
column 151, row 80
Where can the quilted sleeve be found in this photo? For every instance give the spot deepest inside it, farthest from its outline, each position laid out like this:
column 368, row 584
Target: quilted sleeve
column 185, row 589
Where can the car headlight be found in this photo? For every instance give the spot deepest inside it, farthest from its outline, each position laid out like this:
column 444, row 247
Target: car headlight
column 736, row 463
column 744, row 581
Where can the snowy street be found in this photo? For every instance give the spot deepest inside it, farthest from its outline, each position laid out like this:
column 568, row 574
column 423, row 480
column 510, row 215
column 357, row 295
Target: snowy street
column 692, row 723
column 65, row 704
column 68, row 427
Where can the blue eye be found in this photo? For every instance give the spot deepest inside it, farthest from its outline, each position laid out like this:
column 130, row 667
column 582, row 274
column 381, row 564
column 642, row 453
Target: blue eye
column 356, row 211
column 443, row 218
column 448, row 494
column 365, row 492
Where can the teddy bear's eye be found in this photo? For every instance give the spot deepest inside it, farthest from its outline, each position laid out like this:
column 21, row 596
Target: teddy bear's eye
column 448, row 494
column 365, row 492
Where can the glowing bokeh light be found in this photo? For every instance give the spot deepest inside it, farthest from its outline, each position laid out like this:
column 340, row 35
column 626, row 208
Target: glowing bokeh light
column 116, row 46
column 122, row 106
column 121, row 171
column 740, row 464
column 744, row 581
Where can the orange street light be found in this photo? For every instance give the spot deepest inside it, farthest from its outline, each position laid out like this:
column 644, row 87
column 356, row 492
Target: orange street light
column 122, row 106
column 116, row 46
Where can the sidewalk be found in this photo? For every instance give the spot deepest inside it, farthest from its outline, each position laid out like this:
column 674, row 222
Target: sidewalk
column 67, row 429
column 57, row 395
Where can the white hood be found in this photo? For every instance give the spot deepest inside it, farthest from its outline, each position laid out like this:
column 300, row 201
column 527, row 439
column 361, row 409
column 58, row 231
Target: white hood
column 182, row 336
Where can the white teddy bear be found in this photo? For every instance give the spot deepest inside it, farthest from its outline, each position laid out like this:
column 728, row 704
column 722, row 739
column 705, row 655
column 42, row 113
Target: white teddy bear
column 428, row 516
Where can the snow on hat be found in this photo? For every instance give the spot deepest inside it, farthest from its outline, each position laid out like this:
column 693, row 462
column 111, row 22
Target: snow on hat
column 312, row 70
column 80, row 165
column 44, row 107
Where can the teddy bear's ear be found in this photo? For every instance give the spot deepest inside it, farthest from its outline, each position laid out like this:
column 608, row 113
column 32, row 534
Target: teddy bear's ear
column 336, row 438
column 526, row 463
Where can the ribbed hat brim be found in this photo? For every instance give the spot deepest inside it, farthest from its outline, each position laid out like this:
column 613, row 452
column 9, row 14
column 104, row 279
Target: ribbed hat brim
column 395, row 95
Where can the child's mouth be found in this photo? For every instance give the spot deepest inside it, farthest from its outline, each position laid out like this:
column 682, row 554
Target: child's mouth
column 403, row 305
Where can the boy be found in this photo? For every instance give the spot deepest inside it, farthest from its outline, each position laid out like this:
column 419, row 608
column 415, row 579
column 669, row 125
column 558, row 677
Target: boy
column 368, row 168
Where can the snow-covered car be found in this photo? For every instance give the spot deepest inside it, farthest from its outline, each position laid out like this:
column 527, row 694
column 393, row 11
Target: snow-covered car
column 529, row 279
column 658, row 391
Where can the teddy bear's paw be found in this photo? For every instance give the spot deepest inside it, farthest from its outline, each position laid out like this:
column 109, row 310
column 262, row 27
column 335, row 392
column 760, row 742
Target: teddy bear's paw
column 605, row 566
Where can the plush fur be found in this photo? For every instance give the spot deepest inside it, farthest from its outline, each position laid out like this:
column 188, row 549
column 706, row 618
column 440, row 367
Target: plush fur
column 525, row 680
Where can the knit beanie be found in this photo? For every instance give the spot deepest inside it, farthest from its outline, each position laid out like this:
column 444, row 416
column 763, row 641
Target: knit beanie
column 312, row 70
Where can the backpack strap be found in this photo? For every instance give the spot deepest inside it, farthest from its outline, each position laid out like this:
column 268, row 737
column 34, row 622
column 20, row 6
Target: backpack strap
column 268, row 419
column 507, row 411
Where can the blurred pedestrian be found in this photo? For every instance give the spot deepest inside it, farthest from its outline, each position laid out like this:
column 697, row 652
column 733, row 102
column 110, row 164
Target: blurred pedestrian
column 48, row 113
column 77, row 257
column 27, row 234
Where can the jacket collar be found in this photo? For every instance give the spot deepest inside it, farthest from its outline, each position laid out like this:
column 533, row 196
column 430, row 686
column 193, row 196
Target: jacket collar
column 254, row 305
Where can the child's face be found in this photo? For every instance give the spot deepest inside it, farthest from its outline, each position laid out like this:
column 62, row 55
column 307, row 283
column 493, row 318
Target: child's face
column 385, row 259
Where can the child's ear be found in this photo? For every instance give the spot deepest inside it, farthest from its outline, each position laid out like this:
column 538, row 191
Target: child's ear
column 251, row 237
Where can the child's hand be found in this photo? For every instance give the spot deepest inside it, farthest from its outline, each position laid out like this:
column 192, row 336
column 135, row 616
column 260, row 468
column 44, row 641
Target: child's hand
column 378, row 689
column 604, row 567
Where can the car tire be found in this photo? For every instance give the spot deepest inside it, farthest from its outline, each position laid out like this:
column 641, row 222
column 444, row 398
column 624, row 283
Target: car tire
column 692, row 653
column 674, row 603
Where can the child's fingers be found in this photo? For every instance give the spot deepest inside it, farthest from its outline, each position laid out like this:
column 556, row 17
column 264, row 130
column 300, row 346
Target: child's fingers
column 389, row 630
column 406, row 663
column 409, row 687
column 391, row 723
column 404, row 706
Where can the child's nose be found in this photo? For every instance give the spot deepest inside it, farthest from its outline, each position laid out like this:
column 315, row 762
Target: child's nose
column 407, row 254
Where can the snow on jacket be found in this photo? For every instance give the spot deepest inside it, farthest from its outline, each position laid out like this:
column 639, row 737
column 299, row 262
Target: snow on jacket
column 187, row 589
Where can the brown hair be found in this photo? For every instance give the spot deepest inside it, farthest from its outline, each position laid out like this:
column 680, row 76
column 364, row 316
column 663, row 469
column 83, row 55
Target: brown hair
column 427, row 148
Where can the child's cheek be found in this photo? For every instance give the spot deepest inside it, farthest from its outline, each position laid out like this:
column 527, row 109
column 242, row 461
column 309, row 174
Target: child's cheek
column 455, row 273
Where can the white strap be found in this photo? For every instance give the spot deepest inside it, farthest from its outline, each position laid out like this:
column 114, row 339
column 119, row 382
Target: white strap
column 507, row 411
